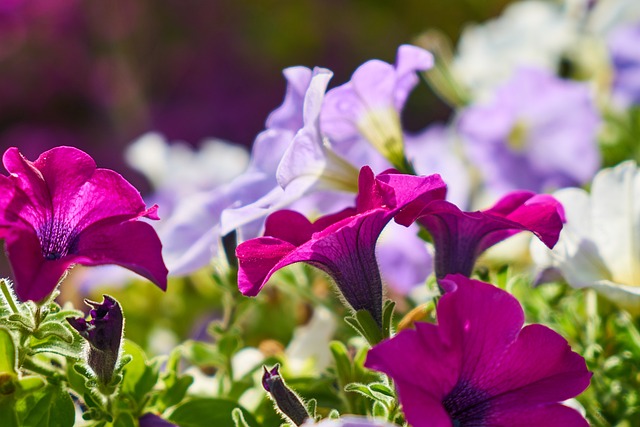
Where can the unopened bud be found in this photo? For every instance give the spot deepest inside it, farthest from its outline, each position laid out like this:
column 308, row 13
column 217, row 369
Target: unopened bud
column 104, row 335
column 285, row 399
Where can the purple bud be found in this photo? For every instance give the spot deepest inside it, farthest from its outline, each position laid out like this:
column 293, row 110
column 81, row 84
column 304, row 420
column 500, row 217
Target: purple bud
column 104, row 334
column 289, row 404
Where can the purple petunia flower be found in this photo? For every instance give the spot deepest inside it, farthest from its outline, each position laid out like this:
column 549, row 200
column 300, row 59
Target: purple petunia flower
column 479, row 367
column 460, row 237
column 152, row 420
column 342, row 244
column 104, row 335
column 368, row 107
column 61, row 210
column 538, row 132
column 625, row 58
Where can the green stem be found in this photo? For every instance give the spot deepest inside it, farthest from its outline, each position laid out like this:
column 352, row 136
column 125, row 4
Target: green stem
column 8, row 297
column 32, row 365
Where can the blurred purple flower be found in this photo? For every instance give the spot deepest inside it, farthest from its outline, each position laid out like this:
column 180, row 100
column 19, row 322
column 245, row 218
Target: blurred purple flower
column 433, row 150
column 153, row 420
column 479, row 366
column 369, row 107
column 460, row 237
column 625, row 58
column 538, row 132
column 104, row 335
column 60, row 210
column 342, row 244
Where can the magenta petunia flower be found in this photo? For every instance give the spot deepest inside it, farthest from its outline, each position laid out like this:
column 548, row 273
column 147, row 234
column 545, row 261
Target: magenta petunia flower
column 61, row 210
column 460, row 237
column 342, row 244
column 479, row 367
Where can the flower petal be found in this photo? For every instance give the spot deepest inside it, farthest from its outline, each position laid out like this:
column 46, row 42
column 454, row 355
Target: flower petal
column 35, row 276
column 131, row 244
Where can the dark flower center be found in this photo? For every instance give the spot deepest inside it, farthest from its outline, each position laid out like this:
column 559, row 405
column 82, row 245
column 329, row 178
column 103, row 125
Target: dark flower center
column 57, row 239
column 466, row 405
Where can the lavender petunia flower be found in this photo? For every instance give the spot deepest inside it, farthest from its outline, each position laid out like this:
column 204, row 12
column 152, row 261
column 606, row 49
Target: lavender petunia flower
column 342, row 244
column 537, row 133
column 369, row 106
column 61, row 210
column 625, row 58
column 460, row 237
column 104, row 335
column 305, row 166
column 478, row 366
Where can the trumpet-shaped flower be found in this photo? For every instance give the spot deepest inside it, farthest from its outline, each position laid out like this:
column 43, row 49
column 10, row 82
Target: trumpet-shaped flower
column 460, row 237
column 369, row 105
column 538, row 132
column 342, row 244
column 61, row 210
column 598, row 248
column 479, row 367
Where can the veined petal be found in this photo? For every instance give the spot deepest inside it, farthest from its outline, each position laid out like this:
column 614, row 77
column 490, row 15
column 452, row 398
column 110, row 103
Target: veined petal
column 289, row 114
column 478, row 366
column 131, row 244
column 35, row 276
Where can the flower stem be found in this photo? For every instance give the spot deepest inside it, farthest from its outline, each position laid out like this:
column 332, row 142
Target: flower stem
column 8, row 297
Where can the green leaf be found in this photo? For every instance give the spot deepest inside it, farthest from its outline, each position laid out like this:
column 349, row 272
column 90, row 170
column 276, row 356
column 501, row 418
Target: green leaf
column 387, row 317
column 174, row 394
column 22, row 321
column 207, row 412
column 362, row 321
column 55, row 329
column 8, row 413
column 382, row 389
column 139, row 375
column 124, row 419
column 30, row 384
column 203, row 354
column 49, row 407
column 8, row 354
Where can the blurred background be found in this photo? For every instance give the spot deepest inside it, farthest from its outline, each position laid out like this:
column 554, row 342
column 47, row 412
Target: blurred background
column 97, row 74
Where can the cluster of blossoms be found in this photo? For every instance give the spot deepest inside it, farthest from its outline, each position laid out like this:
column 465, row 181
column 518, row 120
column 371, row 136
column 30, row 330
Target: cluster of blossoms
column 336, row 182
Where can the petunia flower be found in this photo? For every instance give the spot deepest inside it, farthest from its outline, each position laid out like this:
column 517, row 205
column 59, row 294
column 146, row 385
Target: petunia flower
column 480, row 367
column 625, row 61
column 104, row 335
column 61, row 210
column 342, row 244
column 537, row 132
column 598, row 247
column 368, row 107
column 460, row 237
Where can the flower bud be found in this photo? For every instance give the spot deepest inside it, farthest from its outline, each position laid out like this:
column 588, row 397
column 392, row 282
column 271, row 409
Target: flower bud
column 104, row 334
column 285, row 399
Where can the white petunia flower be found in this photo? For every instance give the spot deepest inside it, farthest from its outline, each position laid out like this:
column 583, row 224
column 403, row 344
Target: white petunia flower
column 599, row 246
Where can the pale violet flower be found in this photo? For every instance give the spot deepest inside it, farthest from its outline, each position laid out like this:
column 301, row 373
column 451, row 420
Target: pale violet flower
column 537, row 132
column 598, row 246
column 369, row 105
column 305, row 165
column 528, row 33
